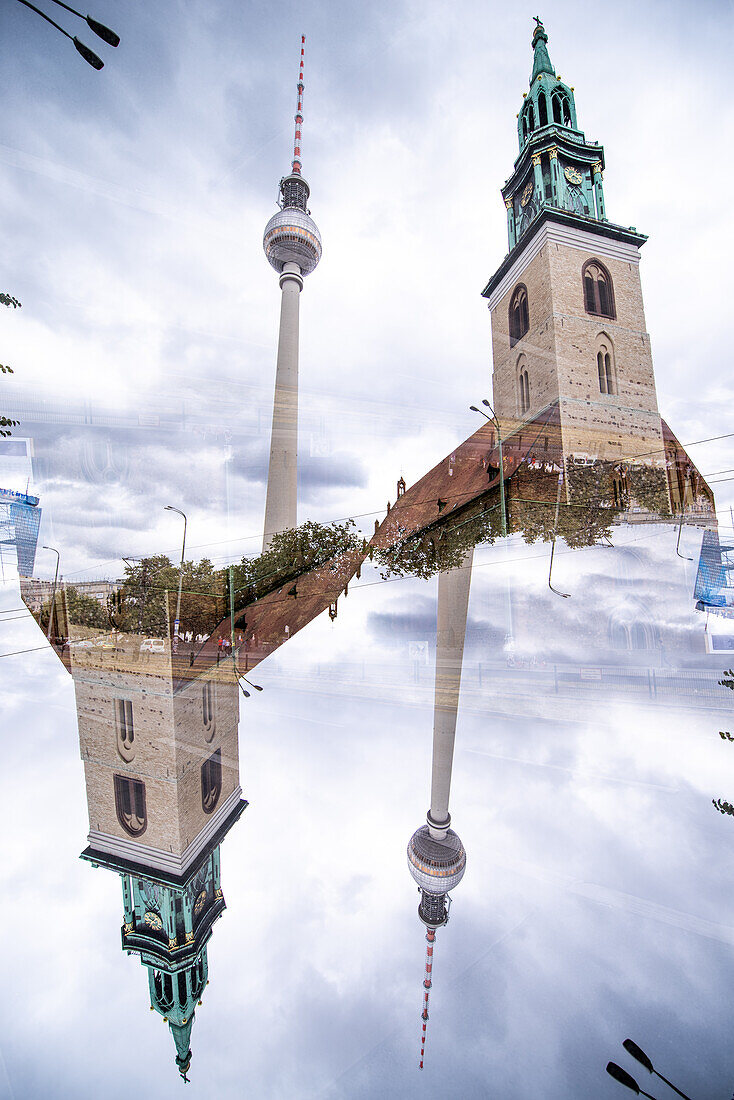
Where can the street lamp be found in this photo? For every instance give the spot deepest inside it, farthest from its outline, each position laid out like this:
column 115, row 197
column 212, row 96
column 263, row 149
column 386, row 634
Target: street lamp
column 566, row 595
column 170, row 508
column 99, row 29
column 53, row 593
column 677, row 545
column 624, row 1078
column 642, row 1058
column 493, row 420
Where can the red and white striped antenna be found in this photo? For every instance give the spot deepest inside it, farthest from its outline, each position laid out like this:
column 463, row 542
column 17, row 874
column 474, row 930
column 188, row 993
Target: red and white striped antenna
column 430, row 937
column 296, row 168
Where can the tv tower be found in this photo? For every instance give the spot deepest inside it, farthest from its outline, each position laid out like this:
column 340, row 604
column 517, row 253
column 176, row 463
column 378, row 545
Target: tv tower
column 293, row 246
column 436, row 856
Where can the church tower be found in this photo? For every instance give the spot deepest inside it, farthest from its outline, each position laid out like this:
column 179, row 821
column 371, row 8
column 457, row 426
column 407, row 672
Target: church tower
column 159, row 745
column 568, row 324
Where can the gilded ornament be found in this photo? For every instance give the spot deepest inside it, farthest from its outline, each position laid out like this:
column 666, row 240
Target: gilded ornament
column 573, row 175
column 173, row 942
column 536, row 158
column 527, row 194
column 200, row 903
column 552, row 152
column 508, row 203
column 596, row 167
column 189, row 937
column 218, row 893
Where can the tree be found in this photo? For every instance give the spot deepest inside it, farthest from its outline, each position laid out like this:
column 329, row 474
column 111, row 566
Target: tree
column 291, row 554
column 145, row 601
column 440, row 547
column 5, row 421
column 81, row 610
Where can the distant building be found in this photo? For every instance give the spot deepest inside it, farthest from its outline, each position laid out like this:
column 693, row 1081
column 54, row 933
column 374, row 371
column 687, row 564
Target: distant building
column 38, row 592
column 20, row 515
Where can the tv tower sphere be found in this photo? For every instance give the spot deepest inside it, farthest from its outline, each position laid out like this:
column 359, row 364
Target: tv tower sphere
column 291, row 235
column 436, row 865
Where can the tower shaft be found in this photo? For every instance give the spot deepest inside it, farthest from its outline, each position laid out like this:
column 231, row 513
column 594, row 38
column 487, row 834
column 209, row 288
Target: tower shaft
column 453, row 605
column 282, row 491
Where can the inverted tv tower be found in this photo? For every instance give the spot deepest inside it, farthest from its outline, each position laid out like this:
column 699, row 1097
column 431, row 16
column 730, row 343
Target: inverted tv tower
column 436, row 856
column 293, row 246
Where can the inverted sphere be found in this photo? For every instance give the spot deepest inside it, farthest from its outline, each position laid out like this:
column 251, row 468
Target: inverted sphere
column 436, row 865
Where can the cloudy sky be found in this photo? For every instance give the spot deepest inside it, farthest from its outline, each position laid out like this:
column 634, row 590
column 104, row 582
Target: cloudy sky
column 133, row 203
column 597, row 899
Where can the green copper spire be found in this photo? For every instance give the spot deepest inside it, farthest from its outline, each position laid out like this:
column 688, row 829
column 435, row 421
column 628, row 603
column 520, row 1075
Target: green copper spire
column 182, row 1038
column 541, row 61
column 557, row 169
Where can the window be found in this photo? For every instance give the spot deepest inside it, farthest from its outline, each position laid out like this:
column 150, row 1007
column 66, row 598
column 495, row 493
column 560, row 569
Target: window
column 524, row 393
column 124, row 728
column 130, row 805
column 163, row 985
column 519, row 318
column 605, row 368
column 561, row 109
column 208, row 709
column 211, row 781
column 542, row 110
column 598, row 290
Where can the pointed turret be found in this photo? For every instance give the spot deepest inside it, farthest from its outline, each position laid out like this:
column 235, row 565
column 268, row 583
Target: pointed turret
column 557, row 169
column 182, row 1038
column 541, row 61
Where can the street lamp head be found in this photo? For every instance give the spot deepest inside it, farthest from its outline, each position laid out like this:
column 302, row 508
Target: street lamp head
column 89, row 56
column 474, row 409
column 622, row 1076
column 485, row 402
column 642, row 1058
column 103, row 32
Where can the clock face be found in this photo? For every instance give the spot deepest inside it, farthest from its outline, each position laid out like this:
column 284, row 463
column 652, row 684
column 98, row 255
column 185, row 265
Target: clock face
column 573, row 175
column 527, row 194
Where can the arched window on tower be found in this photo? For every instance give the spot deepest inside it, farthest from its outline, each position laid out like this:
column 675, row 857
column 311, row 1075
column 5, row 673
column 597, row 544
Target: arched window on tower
column 208, row 709
column 531, row 118
column 124, row 728
column 542, row 110
column 519, row 317
column 130, row 804
column 598, row 290
column 561, row 109
column 523, row 389
column 605, row 366
column 211, row 781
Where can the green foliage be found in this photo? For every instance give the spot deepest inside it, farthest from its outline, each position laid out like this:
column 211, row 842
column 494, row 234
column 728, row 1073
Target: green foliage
column 81, row 609
column 649, row 488
column 5, row 421
column 440, row 548
column 290, row 554
column 584, row 519
column 728, row 683
column 145, row 603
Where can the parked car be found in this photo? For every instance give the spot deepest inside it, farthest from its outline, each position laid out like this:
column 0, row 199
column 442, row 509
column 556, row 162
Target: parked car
column 153, row 645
